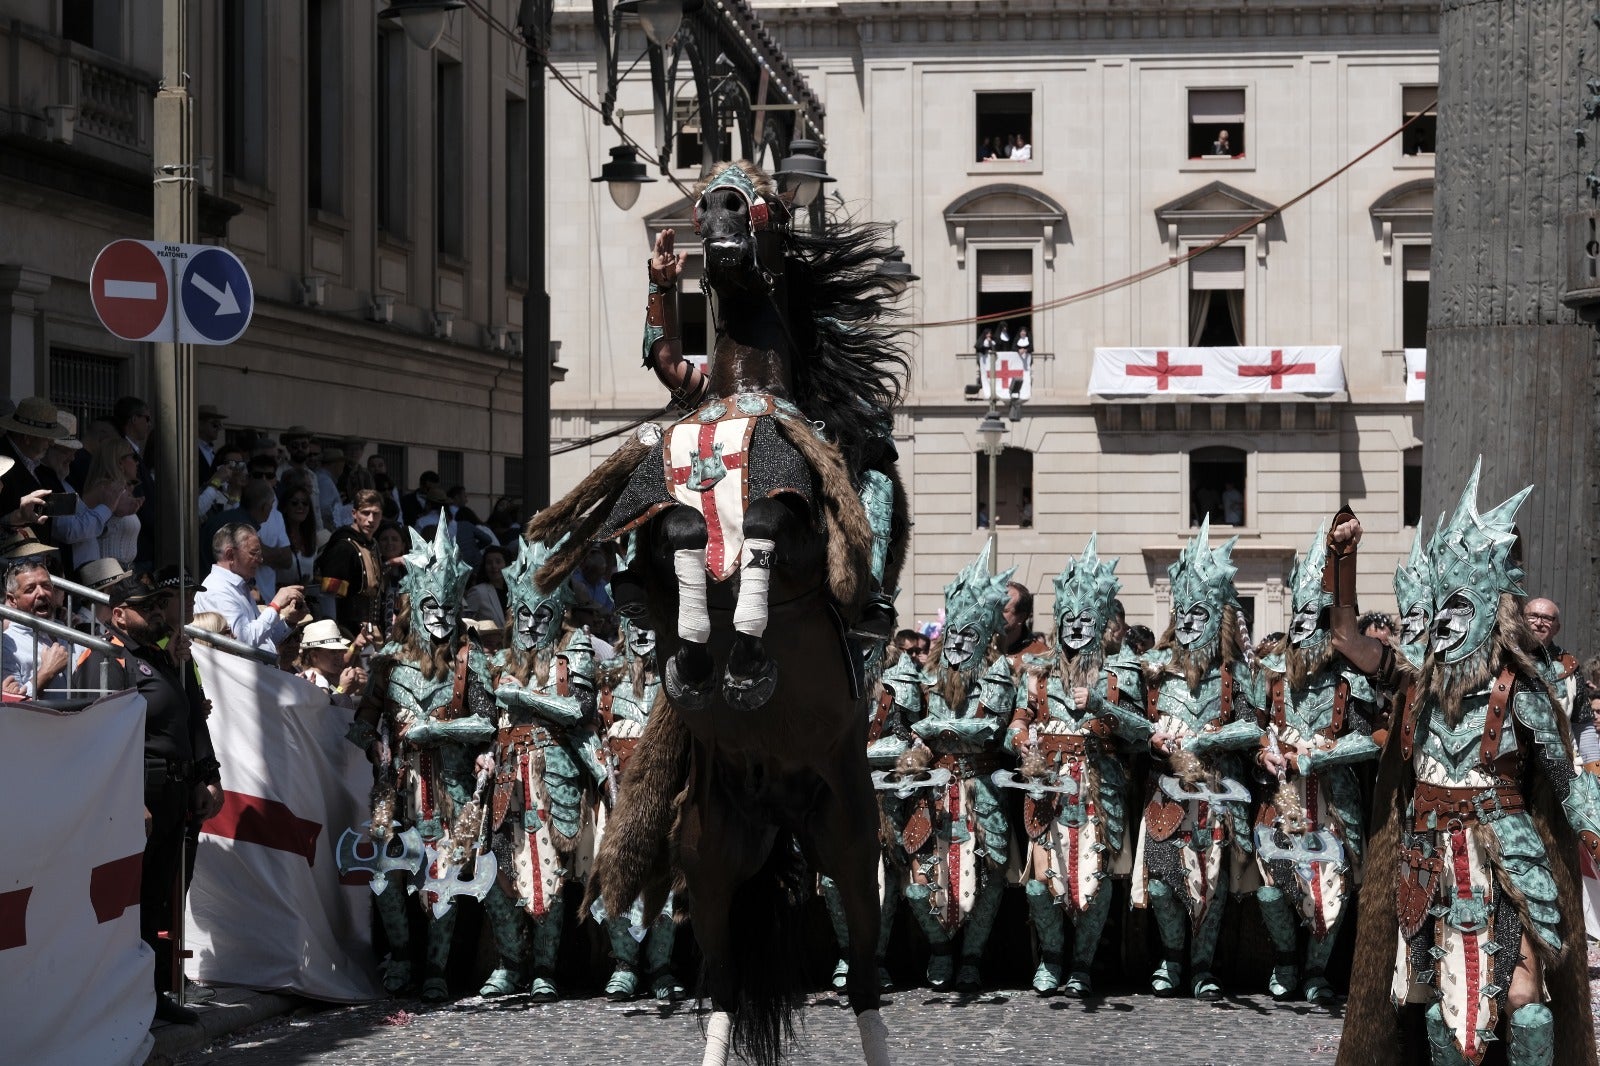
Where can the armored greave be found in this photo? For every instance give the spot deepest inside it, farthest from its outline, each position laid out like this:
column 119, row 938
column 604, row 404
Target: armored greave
column 940, row 969
column 624, row 949
column 1050, row 927
column 441, row 935
column 1278, row 916
column 1172, row 920
column 391, row 904
column 547, row 937
column 1441, row 1044
column 1087, row 929
column 1203, row 947
column 510, row 927
column 980, row 923
column 1533, row 1037
column 841, row 934
column 1318, row 949
column 658, row 949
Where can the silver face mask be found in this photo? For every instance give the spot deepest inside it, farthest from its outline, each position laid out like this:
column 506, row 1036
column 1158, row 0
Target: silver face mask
column 1451, row 624
column 1304, row 624
column 439, row 621
column 1077, row 632
column 533, row 627
column 959, row 645
column 1414, row 626
column 1193, row 624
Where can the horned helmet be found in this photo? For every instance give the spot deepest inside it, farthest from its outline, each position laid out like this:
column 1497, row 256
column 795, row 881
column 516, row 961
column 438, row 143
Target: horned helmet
column 434, row 580
column 974, row 606
column 1470, row 562
column 1086, row 590
column 1413, row 594
column 1202, row 586
column 535, row 617
column 1308, row 600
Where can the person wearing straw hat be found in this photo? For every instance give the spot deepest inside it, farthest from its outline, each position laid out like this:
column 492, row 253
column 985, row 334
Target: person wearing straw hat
column 29, row 429
column 324, row 649
column 78, row 534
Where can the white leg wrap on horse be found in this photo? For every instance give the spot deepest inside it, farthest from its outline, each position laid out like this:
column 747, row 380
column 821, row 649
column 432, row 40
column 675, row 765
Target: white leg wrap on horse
column 874, row 1037
column 755, row 574
column 693, row 621
column 718, row 1031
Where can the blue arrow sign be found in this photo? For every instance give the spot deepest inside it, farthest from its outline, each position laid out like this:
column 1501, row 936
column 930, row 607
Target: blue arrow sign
column 215, row 297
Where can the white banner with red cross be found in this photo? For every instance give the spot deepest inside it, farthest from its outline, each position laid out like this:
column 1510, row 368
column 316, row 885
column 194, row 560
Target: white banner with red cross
column 707, row 457
column 79, row 984
column 1416, row 375
column 1000, row 372
column 1297, row 370
column 267, row 909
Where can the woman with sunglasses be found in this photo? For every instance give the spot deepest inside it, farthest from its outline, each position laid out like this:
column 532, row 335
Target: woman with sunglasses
column 116, row 467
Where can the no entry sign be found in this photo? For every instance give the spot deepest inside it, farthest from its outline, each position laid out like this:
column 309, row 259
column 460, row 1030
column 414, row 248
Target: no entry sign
column 188, row 293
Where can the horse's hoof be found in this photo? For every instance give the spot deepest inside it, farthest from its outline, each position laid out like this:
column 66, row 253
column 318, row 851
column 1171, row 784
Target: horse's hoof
column 684, row 696
column 751, row 693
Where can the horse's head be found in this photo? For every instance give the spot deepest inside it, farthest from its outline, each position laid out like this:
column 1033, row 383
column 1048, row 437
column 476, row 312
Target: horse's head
column 740, row 222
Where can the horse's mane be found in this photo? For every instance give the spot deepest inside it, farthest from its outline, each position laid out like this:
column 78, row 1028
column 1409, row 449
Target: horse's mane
column 850, row 360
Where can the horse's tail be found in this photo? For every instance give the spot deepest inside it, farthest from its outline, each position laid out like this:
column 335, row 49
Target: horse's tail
column 767, row 940
column 844, row 519
column 899, row 533
column 583, row 511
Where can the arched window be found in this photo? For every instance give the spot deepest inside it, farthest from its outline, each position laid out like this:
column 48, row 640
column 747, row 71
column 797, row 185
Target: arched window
column 1013, row 482
column 1217, row 485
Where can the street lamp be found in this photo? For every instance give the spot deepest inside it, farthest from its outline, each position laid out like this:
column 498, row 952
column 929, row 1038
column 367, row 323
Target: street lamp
column 803, row 173
column 991, row 438
column 895, row 272
column 624, row 175
column 423, row 20
column 660, row 19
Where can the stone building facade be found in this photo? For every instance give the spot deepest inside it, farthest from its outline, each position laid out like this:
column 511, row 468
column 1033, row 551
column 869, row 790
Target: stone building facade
column 1120, row 104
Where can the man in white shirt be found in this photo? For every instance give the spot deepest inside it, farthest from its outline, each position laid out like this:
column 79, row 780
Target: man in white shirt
column 33, row 658
column 226, row 590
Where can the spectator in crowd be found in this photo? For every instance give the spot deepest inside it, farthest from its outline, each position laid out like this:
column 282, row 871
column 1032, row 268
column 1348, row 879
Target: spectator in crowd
column 1021, row 149
column 229, row 476
column 207, row 428
column 592, row 584
column 330, row 471
column 392, row 543
column 1140, row 639
column 302, row 529
column 907, row 641
column 29, row 429
column 1018, row 634
column 33, row 661
column 1116, row 629
column 378, row 467
column 95, row 436
column 273, row 531
column 115, row 470
column 1559, row 666
column 986, row 149
column 505, row 522
column 78, row 534
column 1221, row 146
column 255, row 507
column 131, row 418
column 100, row 575
column 181, row 777
column 413, row 505
column 1377, row 625
column 983, row 517
column 356, row 479
column 1232, row 505
column 349, row 571
column 324, row 650
column 296, row 440
column 486, row 596
column 237, row 549
column 1025, row 513
column 1002, row 335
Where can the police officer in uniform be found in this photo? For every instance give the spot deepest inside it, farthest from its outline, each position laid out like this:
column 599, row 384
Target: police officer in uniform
column 181, row 778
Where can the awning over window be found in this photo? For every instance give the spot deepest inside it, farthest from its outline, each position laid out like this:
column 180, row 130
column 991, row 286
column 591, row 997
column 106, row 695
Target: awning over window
column 1300, row 370
column 1220, row 268
column 1216, row 105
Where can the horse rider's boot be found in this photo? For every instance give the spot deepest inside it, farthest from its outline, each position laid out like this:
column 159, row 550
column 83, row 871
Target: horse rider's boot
column 546, row 943
column 441, row 933
column 1533, row 1036
column 1171, row 923
column 752, row 675
column 1318, row 990
column 941, row 961
column 841, row 933
column 688, row 678
column 658, row 960
column 624, row 982
column 1278, row 917
column 980, row 923
column 1204, row 945
column 1086, row 941
column 877, row 620
column 1049, row 926
column 510, row 937
column 391, row 903
column 1442, row 1050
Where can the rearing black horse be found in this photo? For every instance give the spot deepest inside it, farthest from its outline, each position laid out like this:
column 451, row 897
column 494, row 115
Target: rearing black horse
column 753, row 523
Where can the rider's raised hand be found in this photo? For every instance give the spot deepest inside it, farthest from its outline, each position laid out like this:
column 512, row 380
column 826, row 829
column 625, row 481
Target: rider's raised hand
column 665, row 264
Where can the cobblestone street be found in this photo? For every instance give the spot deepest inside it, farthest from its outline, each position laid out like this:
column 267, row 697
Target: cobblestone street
column 1011, row 1027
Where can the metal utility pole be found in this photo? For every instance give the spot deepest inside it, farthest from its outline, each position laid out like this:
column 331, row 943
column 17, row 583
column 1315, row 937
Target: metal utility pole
column 535, row 18
column 174, row 512
column 1513, row 354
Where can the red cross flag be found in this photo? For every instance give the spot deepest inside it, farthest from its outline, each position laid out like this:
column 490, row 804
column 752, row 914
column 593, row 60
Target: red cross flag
column 80, row 984
column 1296, row 370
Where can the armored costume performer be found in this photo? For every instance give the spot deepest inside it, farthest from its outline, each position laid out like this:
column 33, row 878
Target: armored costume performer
column 1316, row 712
column 629, row 689
column 546, row 758
column 1478, row 800
column 1196, row 696
column 426, row 718
column 1073, row 708
column 941, row 799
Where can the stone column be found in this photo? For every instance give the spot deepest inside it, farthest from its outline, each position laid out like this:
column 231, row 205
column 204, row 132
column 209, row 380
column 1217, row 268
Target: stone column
column 1514, row 358
column 25, row 365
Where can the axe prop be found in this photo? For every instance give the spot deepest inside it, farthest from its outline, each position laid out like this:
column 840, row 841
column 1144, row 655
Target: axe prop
column 403, row 850
column 1230, row 791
